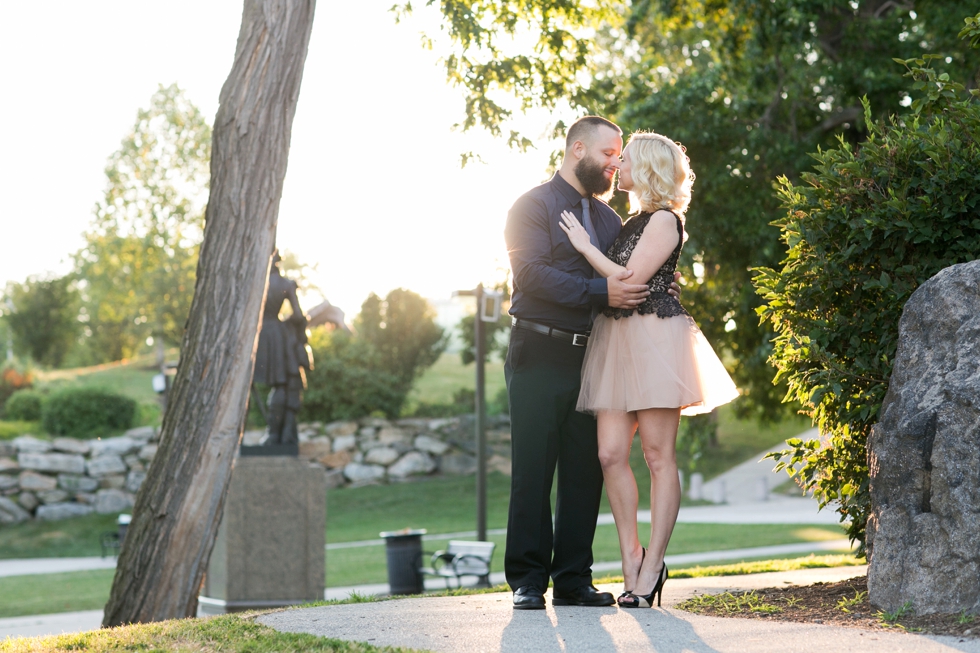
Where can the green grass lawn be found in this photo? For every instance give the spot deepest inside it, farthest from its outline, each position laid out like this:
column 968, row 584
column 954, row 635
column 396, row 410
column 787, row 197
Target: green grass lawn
column 49, row 593
column 70, row 538
column 438, row 383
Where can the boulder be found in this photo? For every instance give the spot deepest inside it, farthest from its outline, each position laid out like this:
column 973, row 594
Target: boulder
column 381, row 456
column 924, row 453
column 52, row 496
column 134, row 480
column 359, row 473
column 412, row 464
column 133, row 462
column 431, row 445
column 67, row 463
column 335, row 478
column 334, row 460
column 457, row 464
column 345, row 443
column 147, row 451
column 28, row 501
column 316, row 448
column 142, row 433
column 392, row 435
column 7, row 482
column 333, row 429
column 58, row 511
column 367, row 432
column 110, row 501
column 71, row 483
column 71, row 445
column 34, row 482
column 30, row 444
column 375, row 422
column 7, row 449
column 113, row 482
column 9, row 465
column 254, row 437
column 119, row 446
column 11, row 512
column 105, row 465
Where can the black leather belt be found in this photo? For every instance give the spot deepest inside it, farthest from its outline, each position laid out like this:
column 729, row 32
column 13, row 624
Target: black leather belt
column 577, row 339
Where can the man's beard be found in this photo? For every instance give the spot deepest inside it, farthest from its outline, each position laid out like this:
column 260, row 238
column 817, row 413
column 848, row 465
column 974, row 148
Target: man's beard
column 592, row 176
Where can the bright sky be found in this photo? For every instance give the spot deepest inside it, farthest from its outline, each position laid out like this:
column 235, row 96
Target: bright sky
column 374, row 195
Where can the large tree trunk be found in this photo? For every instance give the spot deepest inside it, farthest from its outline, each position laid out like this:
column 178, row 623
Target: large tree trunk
column 178, row 509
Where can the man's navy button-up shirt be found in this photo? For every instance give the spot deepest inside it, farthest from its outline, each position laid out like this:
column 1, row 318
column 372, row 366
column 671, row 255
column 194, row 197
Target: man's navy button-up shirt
column 553, row 283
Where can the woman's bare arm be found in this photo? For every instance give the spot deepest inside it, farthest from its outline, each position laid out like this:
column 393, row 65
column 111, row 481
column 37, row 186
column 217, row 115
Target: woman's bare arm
column 656, row 244
column 581, row 242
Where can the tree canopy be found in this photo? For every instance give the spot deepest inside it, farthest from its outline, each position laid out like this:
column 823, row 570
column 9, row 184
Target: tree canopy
column 42, row 316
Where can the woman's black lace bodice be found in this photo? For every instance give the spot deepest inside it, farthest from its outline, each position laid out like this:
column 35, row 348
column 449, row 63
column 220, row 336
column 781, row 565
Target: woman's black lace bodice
column 659, row 302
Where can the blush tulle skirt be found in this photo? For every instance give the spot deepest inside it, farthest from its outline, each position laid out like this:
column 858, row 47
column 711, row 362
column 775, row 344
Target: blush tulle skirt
column 644, row 361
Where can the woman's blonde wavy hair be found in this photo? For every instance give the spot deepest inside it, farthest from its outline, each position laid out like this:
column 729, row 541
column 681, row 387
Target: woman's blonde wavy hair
column 661, row 172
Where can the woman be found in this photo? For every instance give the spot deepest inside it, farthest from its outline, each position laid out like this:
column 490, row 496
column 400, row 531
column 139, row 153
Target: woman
column 646, row 367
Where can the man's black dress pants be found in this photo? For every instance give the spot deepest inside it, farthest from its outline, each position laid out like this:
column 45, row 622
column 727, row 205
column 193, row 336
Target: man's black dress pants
column 543, row 378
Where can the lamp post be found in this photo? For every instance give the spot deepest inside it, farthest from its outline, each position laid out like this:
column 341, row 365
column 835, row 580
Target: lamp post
column 487, row 310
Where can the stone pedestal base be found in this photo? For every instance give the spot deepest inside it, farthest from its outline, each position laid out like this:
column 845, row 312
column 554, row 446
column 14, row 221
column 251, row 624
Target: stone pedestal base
column 270, row 546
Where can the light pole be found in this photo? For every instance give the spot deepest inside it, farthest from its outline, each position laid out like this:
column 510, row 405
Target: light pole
column 487, row 310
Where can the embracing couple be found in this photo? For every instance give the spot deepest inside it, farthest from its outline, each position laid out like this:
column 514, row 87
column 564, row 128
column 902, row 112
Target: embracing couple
column 600, row 346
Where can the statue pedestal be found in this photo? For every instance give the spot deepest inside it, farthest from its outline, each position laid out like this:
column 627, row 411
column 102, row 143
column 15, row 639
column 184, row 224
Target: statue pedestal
column 270, row 546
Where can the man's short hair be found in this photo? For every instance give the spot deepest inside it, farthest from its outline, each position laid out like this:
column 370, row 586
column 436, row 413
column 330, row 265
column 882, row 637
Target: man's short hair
column 585, row 128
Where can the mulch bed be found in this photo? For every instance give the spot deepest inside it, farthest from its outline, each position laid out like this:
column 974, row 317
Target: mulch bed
column 836, row 604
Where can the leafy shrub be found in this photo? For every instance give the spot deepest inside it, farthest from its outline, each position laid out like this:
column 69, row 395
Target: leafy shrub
column 84, row 411
column 23, row 405
column 13, row 377
column 867, row 228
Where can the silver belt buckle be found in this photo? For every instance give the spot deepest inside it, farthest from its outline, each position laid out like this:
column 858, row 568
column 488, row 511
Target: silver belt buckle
column 575, row 339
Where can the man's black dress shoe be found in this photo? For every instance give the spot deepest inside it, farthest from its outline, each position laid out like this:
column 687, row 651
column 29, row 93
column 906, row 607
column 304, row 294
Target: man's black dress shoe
column 585, row 595
column 528, row 598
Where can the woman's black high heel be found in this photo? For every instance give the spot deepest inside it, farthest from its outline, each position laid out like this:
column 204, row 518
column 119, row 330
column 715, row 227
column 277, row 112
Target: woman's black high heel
column 646, row 600
column 643, row 555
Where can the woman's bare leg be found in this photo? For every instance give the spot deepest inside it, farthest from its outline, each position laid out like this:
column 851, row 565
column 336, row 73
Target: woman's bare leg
column 658, row 436
column 616, row 431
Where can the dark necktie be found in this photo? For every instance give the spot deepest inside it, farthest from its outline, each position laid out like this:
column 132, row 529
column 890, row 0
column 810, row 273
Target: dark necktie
column 587, row 222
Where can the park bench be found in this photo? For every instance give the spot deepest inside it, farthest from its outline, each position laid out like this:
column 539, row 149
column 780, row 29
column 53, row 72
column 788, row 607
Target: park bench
column 460, row 559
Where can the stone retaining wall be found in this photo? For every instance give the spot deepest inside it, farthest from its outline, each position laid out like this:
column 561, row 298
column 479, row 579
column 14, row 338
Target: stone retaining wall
column 59, row 478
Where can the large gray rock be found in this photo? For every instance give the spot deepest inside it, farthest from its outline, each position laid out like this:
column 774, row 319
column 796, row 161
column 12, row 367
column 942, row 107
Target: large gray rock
column 52, row 496
column 28, row 501
column 142, row 433
column 11, row 512
column 7, row 482
column 431, row 445
column 30, row 444
column 71, row 445
column 412, row 464
column 134, row 480
column 335, row 429
column 119, row 446
column 925, row 452
column 109, row 501
column 457, row 464
column 58, row 511
column 360, row 473
column 34, row 482
column 73, row 483
column 381, row 456
column 105, row 465
column 66, row 463
column 9, row 465
column 344, row 443
column 147, row 452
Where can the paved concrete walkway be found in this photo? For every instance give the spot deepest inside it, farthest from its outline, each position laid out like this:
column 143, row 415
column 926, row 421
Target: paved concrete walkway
column 487, row 623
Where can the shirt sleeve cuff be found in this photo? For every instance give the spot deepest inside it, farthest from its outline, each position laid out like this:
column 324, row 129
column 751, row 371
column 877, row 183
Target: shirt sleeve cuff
column 598, row 292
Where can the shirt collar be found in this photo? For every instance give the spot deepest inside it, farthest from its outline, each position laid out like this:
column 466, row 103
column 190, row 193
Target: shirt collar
column 567, row 190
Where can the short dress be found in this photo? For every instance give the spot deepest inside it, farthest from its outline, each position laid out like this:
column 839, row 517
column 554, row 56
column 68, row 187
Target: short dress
column 655, row 358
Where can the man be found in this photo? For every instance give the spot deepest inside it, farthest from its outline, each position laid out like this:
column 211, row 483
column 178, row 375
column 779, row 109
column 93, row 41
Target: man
column 555, row 294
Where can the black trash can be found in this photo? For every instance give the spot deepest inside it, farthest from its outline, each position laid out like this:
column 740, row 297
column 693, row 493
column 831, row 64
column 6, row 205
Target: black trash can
column 404, row 550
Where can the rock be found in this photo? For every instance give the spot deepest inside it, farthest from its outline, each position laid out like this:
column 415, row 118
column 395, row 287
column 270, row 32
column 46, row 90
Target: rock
column 72, row 483
column 375, row 422
column 147, row 451
column 254, row 438
column 105, row 465
column 443, row 423
column 381, row 456
column 7, row 449
column 11, row 512
column 113, row 482
column 7, row 482
column 335, row 478
column 52, row 496
column 923, row 455
column 414, row 423
column 359, row 473
column 333, row 429
column 142, row 433
column 431, row 445
column 119, row 446
column 391, row 435
column 71, row 445
column 412, row 464
column 316, row 448
column 457, row 464
column 34, row 482
column 8, row 465
column 133, row 462
column 57, row 511
column 30, row 444
column 134, row 480
column 85, row 497
column 358, row 456
column 344, row 443
column 28, row 501
column 367, row 432
column 68, row 463
column 339, row 459
column 109, row 501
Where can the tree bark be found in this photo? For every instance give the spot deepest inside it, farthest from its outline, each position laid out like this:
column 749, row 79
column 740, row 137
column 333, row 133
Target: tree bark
column 178, row 509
